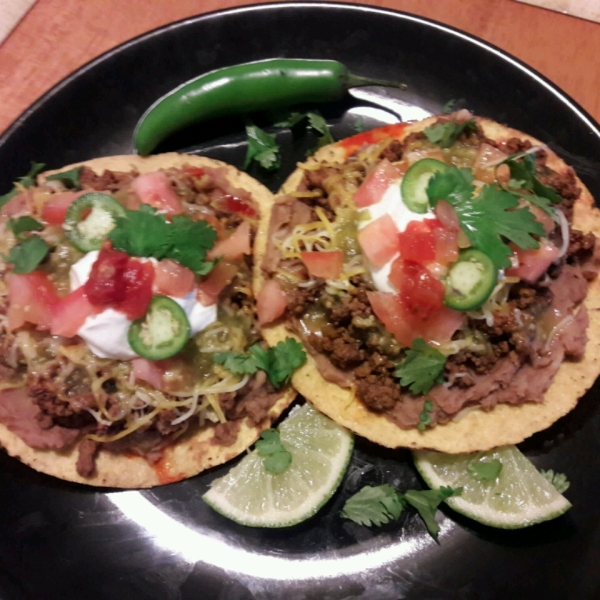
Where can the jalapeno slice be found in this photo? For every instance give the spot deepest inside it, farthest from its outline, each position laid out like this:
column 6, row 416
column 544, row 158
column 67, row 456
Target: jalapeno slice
column 162, row 332
column 415, row 181
column 90, row 219
column 470, row 281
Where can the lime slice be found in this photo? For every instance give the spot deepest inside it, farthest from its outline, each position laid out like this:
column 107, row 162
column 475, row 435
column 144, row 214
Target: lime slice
column 518, row 497
column 252, row 496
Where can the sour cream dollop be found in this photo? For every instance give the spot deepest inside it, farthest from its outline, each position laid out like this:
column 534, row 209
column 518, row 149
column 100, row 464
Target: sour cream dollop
column 106, row 333
column 390, row 203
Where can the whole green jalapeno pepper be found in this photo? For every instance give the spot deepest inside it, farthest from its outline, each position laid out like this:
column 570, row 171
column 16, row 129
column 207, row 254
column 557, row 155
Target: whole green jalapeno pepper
column 245, row 88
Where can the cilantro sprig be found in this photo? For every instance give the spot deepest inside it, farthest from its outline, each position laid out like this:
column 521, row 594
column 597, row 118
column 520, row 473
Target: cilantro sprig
column 26, row 256
column 315, row 121
column 143, row 232
column 523, row 177
column 26, row 181
column 381, row 504
column 558, row 480
column 422, row 367
column 279, row 362
column 262, row 148
column 489, row 218
column 276, row 458
column 70, row 179
column 446, row 134
column 30, row 251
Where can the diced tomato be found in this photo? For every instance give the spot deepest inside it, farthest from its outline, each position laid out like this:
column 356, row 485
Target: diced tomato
column 445, row 242
column 379, row 240
column 376, row 183
column 32, row 298
column 195, row 171
column 70, row 313
column 270, row 302
column 239, row 206
column 55, row 208
column 121, row 282
column 208, row 291
column 173, row 279
column 324, row 264
column 137, row 280
column 150, row 371
column 17, row 205
column 417, row 242
column 541, row 216
column 420, row 292
column 447, row 216
column 154, row 189
column 233, row 247
column 534, row 263
column 104, row 285
column 441, row 326
column 390, row 309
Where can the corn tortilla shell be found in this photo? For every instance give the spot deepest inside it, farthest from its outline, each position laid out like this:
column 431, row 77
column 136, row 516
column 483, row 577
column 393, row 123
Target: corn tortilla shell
column 477, row 430
column 193, row 453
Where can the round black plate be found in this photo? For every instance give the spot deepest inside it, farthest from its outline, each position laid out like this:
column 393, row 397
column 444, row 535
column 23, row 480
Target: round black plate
column 63, row 540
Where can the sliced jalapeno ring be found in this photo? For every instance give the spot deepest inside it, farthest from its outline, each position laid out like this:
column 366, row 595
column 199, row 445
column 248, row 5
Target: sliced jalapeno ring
column 470, row 281
column 415, row 181
column 90, row 219
column 162, row 332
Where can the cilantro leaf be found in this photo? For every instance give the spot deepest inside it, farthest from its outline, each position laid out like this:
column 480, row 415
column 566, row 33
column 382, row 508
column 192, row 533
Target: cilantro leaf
column 359, row 125
column 488, row 218
column 293, row 119
column 558, row 480
column 27, row 256
column 288, row 355
column 189, row 242
column 422, row 368
column 23, row 225
column 522, row 169
column 426, row 503
column 315, row 121
column 454, row 186
column 494, row 214
column 448, row 107
column 143, row 232
column 374, row 505
column 278, row 362
column 425, row 415
column 237, row 363
column 276, row 458
column 318, row 123
column 26, row 181
column 485, row 470
column 446, row 134
column 262, row 148
column 70, row 178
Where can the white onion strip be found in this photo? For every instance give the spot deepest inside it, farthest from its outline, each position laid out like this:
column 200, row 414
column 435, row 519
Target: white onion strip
column 564, row 232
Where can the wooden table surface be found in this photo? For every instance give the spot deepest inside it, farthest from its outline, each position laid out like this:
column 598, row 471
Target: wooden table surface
column 58, row 36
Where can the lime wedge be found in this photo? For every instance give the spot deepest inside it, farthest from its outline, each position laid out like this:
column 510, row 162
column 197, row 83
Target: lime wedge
column 252, row 496
column 518, row 497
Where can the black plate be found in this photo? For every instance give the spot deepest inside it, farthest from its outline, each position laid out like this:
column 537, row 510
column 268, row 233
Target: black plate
column 61, row 540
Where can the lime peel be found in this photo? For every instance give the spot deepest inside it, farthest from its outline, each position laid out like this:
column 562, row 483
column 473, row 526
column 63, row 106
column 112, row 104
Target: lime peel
column 250, row 495
column 518, row 497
